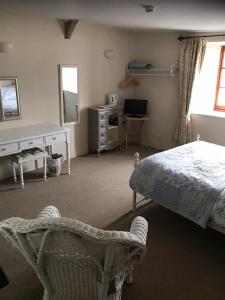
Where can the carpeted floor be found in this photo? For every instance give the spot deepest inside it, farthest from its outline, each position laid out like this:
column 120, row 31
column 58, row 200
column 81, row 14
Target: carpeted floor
column 183, row 262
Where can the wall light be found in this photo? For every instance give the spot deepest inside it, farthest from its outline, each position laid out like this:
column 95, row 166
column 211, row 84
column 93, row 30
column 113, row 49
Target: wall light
column 6, row 47
column 109, row 53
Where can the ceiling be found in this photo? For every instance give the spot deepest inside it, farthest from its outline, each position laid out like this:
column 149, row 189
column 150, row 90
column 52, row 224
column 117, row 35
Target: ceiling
column 178, row 15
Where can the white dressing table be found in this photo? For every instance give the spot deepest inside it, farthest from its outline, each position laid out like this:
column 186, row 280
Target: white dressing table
column 17, row 139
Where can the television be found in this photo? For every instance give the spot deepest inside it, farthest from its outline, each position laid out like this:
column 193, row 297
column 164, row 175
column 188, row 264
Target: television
column 135, row 107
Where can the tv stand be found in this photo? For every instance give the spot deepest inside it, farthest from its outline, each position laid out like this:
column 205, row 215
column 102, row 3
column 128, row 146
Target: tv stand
column 134, row 116
column 129, row 119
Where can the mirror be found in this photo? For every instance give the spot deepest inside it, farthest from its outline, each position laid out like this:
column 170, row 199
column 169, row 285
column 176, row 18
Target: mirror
column 70, row 108
column 9, row 99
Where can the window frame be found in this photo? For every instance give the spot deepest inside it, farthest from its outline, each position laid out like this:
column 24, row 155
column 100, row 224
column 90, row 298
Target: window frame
column 220, row 68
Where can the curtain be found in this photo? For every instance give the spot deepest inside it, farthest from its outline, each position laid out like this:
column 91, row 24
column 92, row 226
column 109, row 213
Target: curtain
column 191, row 59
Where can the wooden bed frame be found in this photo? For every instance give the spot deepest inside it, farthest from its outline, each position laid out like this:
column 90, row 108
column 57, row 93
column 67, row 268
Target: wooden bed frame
column 135, row 202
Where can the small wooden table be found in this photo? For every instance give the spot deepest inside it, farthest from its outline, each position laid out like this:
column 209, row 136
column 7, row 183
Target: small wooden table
column 141, row 119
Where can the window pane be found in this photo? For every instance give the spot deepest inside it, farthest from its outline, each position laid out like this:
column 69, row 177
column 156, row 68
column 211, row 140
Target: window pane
column 221, row 97
column 222, row 78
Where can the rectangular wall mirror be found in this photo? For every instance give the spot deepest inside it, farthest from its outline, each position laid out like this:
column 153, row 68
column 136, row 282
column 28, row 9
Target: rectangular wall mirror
column 70, row 108
column 9, row 99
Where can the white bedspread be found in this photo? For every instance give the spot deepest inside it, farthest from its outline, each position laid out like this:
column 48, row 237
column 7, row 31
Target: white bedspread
column 189, row 180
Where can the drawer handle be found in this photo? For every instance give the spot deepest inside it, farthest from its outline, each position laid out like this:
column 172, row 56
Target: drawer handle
column 102, row 126
column 30, row 143
column 54, row 138
column 3, row 149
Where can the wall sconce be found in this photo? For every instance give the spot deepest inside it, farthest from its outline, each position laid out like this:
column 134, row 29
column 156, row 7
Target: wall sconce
column 6, row 47
column 109, row 54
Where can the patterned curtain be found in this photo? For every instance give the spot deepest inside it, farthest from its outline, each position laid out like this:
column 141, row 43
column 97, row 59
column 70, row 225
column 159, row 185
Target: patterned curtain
column 191, row 58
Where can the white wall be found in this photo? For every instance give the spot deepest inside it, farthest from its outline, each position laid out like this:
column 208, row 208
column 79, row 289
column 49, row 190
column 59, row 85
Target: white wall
column 39, row 46
column 210, row 128
column 161, row 50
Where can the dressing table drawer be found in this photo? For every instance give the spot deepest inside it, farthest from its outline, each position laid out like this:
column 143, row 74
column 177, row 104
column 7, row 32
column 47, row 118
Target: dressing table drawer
column 55, row 138
column 31, row 143
column 8, row 149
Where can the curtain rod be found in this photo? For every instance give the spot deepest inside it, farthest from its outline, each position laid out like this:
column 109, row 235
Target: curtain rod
column 198, row 36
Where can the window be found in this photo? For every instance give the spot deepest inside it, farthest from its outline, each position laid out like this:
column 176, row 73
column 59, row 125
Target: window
column 220, row 88
column 208, row 82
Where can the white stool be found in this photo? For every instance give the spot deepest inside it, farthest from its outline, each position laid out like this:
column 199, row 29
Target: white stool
column 26, row 156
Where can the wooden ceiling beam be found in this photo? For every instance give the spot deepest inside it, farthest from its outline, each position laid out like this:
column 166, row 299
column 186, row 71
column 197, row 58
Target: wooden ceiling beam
column 69, row 27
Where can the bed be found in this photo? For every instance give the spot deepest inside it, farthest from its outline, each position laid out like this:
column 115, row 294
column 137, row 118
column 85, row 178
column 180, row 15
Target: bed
column 189, row 180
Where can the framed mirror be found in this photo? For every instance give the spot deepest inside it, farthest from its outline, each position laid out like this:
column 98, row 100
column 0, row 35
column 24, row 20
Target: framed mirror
column 9, row 99
column 70, row 107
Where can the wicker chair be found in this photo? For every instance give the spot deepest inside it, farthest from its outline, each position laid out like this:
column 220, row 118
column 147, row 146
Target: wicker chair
column 73, row 260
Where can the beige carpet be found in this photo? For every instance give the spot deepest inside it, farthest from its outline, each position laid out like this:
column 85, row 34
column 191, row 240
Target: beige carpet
column 183, row 261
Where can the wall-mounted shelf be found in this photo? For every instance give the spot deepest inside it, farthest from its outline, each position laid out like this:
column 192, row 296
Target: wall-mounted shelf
column 171, row 71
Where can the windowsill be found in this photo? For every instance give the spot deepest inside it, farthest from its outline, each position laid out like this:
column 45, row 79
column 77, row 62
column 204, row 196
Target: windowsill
column 217, row 114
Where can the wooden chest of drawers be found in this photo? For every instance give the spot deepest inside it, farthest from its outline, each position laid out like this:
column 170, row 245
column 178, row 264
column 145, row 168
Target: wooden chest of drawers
column 105, row 123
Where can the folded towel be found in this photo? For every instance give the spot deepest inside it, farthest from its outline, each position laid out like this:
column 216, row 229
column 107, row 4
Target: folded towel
column 139, row 65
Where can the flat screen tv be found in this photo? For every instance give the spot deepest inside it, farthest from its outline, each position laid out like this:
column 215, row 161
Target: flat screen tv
column 135, row 107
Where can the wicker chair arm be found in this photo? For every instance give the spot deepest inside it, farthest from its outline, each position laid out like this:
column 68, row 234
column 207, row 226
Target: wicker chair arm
column 139, row 228
column 49, row 212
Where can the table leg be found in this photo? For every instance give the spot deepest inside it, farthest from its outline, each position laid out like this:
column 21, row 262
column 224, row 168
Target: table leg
column 36, row 166
column 134, row 201
column 50, row 149
column 21, row 175
column 14, row 171
column 141, row 136
column 45, row 168
column 68, row 152
column 127, row 131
